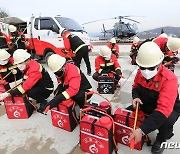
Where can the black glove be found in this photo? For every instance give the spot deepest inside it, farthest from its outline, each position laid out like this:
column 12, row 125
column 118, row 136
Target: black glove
column 116, row 54
column 55, row 101
column 175, row 59
column 118, row 72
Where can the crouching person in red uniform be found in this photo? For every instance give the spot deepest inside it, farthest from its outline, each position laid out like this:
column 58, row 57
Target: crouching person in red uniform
column 37, row 83
column 72, row 82
column 107, row 63
column 114, row 47
column 8, row 72
column 156, row 89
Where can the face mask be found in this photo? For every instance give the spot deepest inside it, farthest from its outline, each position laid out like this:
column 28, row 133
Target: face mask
column 21, row 66
column 149, row 74
column 107, row 58
column 59, row 73
column 3, row 62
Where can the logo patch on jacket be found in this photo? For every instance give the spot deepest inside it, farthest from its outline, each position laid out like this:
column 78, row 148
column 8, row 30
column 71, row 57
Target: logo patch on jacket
column 156, row 85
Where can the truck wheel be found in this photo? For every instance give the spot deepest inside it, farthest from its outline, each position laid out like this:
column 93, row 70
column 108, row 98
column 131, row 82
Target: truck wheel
column 48, row 55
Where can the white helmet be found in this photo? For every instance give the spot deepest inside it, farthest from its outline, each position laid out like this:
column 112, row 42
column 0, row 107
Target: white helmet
column 20, row 55
column 105, row 51
column 163, row 35
column 113, row 40
column 12, row 28
column 173, row 43
column 149, row 55
column 136, row 40
column 56, row 62
column 4, row 55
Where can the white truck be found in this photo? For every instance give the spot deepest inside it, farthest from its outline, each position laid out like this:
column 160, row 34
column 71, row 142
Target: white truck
column 43, row 34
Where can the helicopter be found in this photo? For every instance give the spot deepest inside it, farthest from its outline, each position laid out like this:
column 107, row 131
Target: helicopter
column 120, row 29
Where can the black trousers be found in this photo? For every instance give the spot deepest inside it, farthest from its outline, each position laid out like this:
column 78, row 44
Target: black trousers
column 40, row 94
column 166, row 129
column 80, row 98
column 83, row 53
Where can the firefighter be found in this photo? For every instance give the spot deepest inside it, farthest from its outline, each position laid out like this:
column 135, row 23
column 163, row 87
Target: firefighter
column 8, row 72
column 72, row 82
column 4, row 40
column 74, row 43
column 156, row 89
column 114, row 47
column 17, row 39
column 37, row 83
column 107, row 63
column 169, row 47
column 134, row 50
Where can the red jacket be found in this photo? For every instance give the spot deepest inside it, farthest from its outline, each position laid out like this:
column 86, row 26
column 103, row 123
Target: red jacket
column 133, row 47
column 161, row 42
column 112, row 64
column 114, row 49
column 34, row 75
column 73, row 81
column 159, row 97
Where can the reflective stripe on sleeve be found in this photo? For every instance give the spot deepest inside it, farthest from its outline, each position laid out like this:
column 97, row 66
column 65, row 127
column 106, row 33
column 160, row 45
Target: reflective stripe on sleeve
column 65, row 94
column 118, row 68
column 20, row 88
column 100, row 71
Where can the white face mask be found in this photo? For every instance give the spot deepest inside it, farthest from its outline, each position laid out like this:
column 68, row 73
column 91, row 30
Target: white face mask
column 3, row 62
column 148, row 74
column 21, row 66
column 107, row 58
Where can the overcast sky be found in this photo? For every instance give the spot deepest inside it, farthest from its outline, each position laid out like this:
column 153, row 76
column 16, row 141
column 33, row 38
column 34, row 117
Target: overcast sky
column 156, row 12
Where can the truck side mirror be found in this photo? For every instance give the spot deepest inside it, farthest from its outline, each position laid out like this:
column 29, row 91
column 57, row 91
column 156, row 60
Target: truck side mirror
column 55, row 28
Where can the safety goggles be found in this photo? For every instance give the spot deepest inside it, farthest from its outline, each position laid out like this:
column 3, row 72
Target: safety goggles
column 149, row 68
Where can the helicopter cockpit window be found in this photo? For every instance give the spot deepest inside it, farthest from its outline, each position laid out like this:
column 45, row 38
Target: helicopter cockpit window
column 69, row 24
column 124, row 27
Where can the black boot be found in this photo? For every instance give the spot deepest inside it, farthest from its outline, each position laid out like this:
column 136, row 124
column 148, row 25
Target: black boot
column 157, row 148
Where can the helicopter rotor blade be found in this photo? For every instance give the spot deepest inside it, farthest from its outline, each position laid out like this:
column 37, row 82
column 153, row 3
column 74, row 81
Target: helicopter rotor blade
column 132, row 20
column 96, row 21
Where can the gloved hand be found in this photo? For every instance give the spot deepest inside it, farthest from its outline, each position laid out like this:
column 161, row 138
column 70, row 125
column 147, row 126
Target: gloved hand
column 4, row 95
column 54, row 102
column 14, row 71
column 118, row 72
column 175, row 59
column 116, row 54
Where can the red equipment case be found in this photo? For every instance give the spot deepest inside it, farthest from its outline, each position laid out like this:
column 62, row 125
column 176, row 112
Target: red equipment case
column 124, row 123
column 18, row 107
column 64, row 116
column 103, row 106
column 96, row 134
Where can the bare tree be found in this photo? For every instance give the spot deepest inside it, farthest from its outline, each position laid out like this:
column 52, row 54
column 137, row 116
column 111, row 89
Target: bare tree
column 3, row 13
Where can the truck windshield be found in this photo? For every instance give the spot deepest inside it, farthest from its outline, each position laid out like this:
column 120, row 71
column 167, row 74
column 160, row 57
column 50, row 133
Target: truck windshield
column 69, row 24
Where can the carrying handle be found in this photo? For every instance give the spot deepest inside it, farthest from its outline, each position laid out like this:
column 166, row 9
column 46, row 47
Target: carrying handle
column 93, row 92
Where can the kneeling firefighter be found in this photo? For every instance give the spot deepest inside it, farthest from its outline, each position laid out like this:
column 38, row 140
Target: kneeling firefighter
column 72, row 82
column 107, row 63
column 156, row 89
column 37, row 83
column 8, row 72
